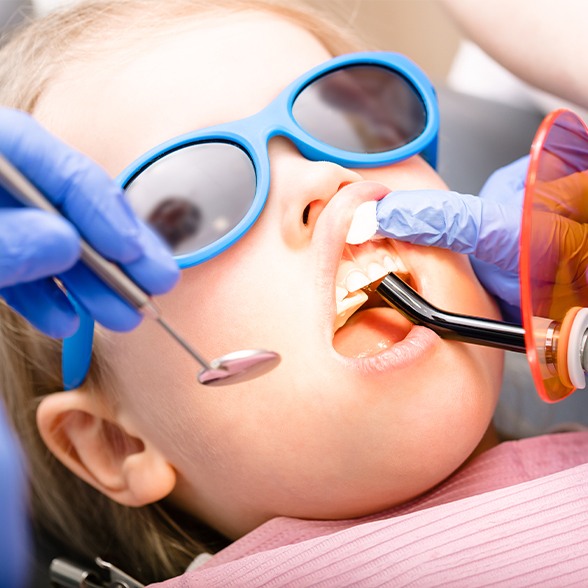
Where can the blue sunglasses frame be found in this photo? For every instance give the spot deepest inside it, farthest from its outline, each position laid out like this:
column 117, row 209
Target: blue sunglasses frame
column 252, row 134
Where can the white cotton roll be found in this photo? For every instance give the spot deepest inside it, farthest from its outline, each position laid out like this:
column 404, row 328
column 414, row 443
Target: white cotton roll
column 364, row 224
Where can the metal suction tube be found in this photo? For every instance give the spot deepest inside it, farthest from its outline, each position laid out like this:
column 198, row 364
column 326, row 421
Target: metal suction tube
column 449, row 325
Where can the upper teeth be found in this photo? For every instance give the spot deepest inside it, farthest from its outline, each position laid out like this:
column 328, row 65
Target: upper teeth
column 361, row 265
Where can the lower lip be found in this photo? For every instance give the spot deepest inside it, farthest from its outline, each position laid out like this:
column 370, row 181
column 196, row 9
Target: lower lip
column 415, row 347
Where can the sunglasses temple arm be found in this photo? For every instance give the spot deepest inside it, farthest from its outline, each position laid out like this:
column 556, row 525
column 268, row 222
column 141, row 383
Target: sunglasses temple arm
column 429, row 153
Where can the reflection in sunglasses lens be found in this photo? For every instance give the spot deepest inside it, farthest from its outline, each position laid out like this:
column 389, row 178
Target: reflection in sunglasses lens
column 362, row 109
column 175, row 220
column 195, row 195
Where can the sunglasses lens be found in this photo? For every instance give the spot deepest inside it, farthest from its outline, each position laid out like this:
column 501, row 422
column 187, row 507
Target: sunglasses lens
column 194, row 195
column 362, row 109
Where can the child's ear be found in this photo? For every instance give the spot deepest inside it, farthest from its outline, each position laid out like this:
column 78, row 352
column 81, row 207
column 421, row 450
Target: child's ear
column 99, row 450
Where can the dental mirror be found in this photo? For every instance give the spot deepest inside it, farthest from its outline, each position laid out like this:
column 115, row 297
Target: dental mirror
column 238, row 366
column 231, row 368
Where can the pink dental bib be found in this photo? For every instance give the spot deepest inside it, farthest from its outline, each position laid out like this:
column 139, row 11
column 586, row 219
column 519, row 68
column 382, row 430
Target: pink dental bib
column 515, row 516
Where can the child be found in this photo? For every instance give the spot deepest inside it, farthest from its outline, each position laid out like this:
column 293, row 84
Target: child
column 140, row 464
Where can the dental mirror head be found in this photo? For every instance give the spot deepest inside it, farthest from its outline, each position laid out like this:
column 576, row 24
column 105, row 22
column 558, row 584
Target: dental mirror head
column 238, row 366
column 231, row 368
column 554, row 255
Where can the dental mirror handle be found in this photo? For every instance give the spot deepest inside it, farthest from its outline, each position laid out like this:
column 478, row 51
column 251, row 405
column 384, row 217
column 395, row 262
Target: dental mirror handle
column 113, row 275
column 449, row 325
column 23, row 191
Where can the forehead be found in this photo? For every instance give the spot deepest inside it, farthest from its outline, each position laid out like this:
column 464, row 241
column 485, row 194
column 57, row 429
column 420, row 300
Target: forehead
column 118, row 105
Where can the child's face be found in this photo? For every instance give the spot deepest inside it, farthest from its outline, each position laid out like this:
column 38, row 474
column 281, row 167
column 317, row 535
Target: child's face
column 327, row 434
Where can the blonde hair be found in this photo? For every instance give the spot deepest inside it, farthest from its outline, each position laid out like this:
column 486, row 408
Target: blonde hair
column 149, row 543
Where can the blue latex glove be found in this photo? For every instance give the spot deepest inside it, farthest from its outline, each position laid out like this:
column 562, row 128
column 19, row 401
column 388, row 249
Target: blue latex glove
column 35, row 245
column 15, row 545
column 485, row 227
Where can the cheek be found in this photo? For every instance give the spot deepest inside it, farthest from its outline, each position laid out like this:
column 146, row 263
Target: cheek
column 229, row 302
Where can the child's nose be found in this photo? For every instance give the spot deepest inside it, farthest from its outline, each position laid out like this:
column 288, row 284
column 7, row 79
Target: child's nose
column 301, row 188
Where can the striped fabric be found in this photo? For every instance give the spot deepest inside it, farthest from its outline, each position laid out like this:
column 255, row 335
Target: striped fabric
column 515, row 516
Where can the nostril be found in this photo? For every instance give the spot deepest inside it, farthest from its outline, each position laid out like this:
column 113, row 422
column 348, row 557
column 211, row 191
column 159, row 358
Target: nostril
column 305, row 215
column 311, row 212
column 312, row 209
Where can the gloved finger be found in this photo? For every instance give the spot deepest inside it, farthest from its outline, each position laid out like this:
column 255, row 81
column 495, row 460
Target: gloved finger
column 559, row 255
column 75, row 184
column 34, row 244
column 506, row 185
column 431, row 217
column 44, row 305
column 459, row 222
column 499, row 236
column 155, row 270
column 98, row 300
column 555, row 300
column 565, row 196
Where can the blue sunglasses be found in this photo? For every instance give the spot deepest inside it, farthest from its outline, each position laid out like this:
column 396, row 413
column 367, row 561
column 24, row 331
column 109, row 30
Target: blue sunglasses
column 202, row 191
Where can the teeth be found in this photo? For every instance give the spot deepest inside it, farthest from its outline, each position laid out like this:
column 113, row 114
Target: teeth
column 361, row 266
column 346, row 267
column 390, row 264
column 348, row 306
column 340, row 293
column 356, row 280
column 376, row 271
column 394, row 264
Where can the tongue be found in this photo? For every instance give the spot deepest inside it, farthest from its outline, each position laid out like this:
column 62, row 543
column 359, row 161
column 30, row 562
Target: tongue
column 371, row 331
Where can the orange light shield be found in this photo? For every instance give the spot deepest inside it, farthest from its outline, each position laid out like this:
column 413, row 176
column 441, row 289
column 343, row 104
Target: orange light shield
column 554, row 247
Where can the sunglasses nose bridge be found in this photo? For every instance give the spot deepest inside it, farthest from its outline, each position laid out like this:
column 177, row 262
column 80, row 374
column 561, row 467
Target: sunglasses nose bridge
column 273, row 121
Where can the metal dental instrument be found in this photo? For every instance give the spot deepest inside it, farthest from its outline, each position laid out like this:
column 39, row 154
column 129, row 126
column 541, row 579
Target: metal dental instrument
column 238, row 366
column 66, row 574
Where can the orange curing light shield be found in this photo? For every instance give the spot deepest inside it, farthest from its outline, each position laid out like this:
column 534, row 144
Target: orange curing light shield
column 554, row 250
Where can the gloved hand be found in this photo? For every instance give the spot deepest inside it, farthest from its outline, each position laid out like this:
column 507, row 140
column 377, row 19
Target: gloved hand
column 485, row 227
column 15, row 544
column 35, row 245
column 560, row 219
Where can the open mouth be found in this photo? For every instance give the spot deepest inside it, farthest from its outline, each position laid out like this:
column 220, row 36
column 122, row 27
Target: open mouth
column 365, row 325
